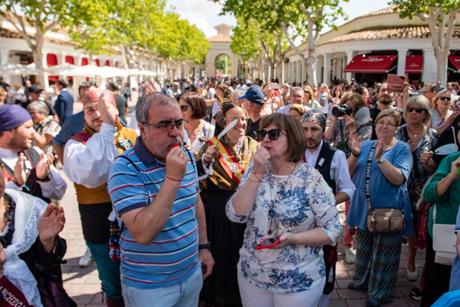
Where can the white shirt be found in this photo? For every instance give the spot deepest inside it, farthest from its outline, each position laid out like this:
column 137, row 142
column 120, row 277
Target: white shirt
column 339, row 169
column 89, row 164
column 54, row 188
column 206, row 133
column 284, row 109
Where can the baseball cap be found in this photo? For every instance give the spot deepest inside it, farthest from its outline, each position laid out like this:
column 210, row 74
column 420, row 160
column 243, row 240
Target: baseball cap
column 254, row 94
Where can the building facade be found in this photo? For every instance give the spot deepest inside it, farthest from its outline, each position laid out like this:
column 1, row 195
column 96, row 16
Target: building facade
column 369, row 47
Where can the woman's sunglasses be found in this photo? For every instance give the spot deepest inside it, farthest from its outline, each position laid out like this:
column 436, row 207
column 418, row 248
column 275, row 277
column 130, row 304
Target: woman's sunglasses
column 418, row 110
column 273, row 134
column 444, row 98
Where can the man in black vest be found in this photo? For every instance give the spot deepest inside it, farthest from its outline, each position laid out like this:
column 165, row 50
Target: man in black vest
column 333, row 166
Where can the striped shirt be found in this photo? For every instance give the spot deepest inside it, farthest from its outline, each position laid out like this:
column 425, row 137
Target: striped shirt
column 135, row 179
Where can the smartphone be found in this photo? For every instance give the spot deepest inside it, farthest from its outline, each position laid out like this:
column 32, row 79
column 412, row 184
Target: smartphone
column 395, row 83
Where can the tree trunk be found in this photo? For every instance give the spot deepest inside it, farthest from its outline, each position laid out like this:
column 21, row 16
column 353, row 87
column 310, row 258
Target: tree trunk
column 37, row 52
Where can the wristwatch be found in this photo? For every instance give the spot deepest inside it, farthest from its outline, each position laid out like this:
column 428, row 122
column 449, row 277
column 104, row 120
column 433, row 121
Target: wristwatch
column 204, row 246
column 381, row 160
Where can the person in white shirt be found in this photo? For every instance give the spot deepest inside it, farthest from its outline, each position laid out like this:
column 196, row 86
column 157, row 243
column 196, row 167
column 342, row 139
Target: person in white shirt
column 88, row 157
column 333, row 166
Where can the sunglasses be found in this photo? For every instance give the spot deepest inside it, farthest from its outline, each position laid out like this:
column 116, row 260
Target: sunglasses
column 184, row 107
column 273, row 134
column 418, row 110
column 168, row 124
column 444, row 98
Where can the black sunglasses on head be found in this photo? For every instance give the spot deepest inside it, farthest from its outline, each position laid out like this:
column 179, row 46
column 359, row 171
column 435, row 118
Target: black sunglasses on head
column 273, row 134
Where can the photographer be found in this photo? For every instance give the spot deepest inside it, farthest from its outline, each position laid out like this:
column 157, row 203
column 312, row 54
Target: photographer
column 345, row 120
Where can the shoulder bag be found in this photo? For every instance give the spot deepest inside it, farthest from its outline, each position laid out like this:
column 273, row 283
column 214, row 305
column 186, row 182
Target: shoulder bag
column 381, row 219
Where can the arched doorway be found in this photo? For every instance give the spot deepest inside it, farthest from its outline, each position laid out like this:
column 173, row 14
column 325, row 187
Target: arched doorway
column 223, row 65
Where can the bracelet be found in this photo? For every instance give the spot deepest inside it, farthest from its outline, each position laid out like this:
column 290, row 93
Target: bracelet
column 258, row 180
column 172, row 179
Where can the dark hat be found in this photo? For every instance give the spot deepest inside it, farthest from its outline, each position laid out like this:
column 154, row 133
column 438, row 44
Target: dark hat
column 35, row 89
column 12, row 116
column 255, row 95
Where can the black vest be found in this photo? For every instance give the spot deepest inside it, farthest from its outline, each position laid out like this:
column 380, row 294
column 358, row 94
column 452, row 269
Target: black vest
column 323, row 164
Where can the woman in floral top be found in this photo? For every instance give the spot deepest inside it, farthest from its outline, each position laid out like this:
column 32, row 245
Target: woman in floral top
column 290, row 213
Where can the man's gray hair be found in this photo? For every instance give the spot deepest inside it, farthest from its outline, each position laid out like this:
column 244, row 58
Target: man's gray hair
column 39, row 107
column 144, row 103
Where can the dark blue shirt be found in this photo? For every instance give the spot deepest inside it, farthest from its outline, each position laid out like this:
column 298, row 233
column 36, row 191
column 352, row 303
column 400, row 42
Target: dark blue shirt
column 72, row 126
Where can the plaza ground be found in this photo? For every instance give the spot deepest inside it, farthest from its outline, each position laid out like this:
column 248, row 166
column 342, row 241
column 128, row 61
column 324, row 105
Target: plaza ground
column 84, row 287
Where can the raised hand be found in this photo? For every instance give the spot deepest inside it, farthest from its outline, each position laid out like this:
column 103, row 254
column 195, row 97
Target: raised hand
column 50, row 225
column 379, row 149
column 43, row 167
column 261, row 158
column 19, row 170
column 455, row 168
column 354, row 144
column 210, row 154
column 425, row 157
column 107, row 107
column 151, row 87
column 176, row 162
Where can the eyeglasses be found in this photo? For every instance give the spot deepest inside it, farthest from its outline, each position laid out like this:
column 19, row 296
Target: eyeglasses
column 385, row 124
column 168, row 124
column 418, row 110
column 273, row 134
column 184, row 107
column 444, row 98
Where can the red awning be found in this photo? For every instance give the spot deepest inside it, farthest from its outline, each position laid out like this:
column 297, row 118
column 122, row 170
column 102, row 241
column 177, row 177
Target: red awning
column 371, row 64
column 455, row 60
column 84, row 61
column 98, row 63
column 414, row 63
column 51, row 60
column 107, row 62
column 69, row 59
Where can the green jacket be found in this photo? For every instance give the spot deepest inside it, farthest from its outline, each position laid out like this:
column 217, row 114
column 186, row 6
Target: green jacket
column 448, row 203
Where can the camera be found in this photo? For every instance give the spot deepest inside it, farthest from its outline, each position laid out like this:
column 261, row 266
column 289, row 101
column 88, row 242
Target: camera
column 342, row 110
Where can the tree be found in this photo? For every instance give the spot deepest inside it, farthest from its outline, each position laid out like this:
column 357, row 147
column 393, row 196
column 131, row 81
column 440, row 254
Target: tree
column 295, row 18
column 441, row 18
column 44, row 16
column 249, row 40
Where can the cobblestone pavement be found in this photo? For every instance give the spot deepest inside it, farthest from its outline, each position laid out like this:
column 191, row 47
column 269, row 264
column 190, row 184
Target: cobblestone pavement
column 84, row 287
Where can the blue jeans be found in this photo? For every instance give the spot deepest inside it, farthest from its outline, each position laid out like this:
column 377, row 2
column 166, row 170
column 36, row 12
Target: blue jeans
column 185, row 294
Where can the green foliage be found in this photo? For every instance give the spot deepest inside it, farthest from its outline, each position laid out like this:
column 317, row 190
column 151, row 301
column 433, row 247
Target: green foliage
column 410, row 8
column 245, row 39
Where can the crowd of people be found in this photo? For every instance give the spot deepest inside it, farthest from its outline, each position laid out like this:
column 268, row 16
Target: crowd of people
column 225, row 192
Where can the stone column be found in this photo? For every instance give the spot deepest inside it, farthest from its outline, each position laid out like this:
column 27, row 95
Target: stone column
column 348, row 59
column 402, row 54
column 429, row 66
column 327, row 69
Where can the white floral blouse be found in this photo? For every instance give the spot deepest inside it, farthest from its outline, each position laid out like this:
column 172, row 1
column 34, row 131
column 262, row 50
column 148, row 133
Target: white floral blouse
column 297, row 202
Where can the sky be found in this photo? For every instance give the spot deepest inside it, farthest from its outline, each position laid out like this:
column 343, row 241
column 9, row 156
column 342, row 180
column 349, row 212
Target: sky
column 205, row 13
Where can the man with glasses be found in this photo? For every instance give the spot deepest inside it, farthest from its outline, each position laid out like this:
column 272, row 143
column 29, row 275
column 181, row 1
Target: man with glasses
column 295, row 97
column 333, row 166
column 154, row 189
column 88, row 156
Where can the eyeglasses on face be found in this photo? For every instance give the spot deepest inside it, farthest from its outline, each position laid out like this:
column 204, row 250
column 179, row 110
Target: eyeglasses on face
column 273, row 134
column 444, row 98
column 184, row 107
column 387, row 124
column 418, row 110
column 168, row 124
